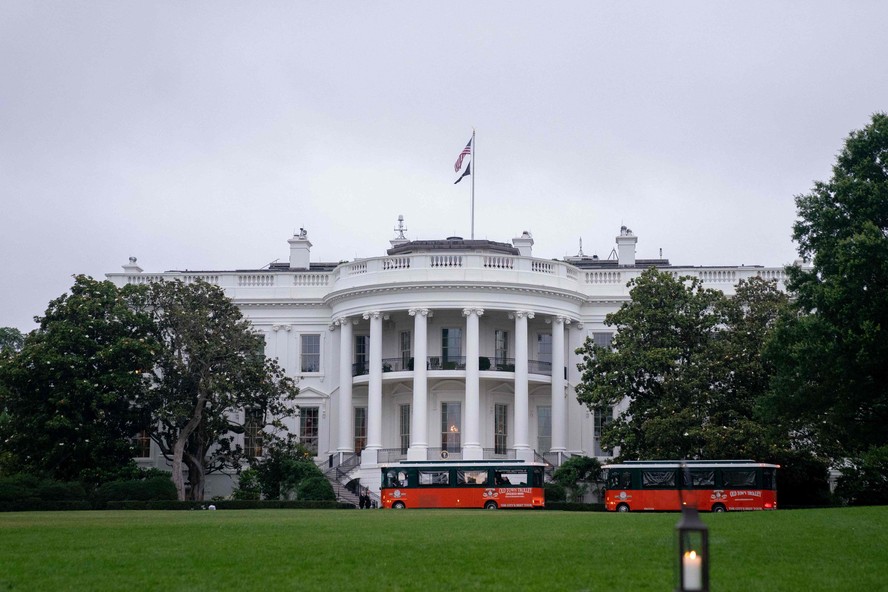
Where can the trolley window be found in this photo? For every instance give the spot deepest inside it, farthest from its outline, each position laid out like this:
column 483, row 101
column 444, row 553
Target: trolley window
column 434, row 477
column 510, row 477
column 471, row 477
column 703, row 479
column 739, row 477
column 658, row 479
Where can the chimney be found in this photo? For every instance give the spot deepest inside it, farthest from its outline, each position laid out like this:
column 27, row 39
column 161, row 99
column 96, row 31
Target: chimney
column 626, row 247
column 524, row 244
column 300, row 247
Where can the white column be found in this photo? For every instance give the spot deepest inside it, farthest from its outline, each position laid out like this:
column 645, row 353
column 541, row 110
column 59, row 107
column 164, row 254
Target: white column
column 523, row 451
column 346, row 413
column 472, row 444
column 374, row 390
column 559, row 407
column 419, row 435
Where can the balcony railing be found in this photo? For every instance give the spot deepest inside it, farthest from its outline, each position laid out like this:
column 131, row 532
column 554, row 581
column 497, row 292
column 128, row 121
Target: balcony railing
column 390, row 455
column 455, row 363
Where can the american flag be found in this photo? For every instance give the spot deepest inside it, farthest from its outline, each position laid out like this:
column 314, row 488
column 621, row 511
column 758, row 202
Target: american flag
column 459, row 159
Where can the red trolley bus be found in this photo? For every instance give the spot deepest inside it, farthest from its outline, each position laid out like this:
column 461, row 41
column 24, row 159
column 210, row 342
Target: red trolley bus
column 714, row 485
column 462, row 484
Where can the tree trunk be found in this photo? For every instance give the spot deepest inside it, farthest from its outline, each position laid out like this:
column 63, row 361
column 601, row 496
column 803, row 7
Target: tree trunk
column 197, row 476
column 179, row 448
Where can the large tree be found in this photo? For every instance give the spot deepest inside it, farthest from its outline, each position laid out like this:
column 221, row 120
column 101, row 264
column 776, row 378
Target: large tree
column 11, row 338
column 831, row 355
column 656, row 365
column 685, row 367
column 72, row 392
column 210, row 374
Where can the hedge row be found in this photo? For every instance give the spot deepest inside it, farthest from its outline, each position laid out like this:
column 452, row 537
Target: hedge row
column 227, row 505
column 574, row 507
column 38, row 505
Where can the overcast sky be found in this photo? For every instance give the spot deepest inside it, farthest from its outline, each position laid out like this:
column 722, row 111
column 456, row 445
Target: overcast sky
column 201, row 135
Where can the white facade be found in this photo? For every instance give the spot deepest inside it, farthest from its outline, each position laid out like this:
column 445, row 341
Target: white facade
column 456, row 346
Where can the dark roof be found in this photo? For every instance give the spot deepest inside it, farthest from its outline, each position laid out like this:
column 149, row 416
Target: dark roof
column 595, row 263
column 453, row 243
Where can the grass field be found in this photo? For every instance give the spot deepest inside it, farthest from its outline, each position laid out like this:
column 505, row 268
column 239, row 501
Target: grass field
column 263, row 550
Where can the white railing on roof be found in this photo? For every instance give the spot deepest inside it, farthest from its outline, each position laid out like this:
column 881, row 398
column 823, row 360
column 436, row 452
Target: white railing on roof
column 253, row 280
column 311, row 279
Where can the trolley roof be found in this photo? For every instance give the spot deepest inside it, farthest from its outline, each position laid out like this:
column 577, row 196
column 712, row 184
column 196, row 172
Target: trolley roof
column 687, row 464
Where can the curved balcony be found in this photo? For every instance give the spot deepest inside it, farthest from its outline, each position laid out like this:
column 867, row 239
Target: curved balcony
column 417, row 269
column 485, row 364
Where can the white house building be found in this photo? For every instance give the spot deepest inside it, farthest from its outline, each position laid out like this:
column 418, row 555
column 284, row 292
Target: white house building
column 456, row 348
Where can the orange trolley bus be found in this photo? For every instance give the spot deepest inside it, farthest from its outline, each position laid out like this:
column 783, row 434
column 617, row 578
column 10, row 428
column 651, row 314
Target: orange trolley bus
column 713, row 485
column 462, row 484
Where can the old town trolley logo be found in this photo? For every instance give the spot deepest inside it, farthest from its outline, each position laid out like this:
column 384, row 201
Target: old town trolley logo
column 490, row 493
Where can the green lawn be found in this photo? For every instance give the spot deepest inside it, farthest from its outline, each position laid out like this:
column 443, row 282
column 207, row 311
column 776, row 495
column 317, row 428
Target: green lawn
column 262, row 550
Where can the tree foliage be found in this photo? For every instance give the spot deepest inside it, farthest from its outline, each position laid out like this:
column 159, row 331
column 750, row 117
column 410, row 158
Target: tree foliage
column 70, row 394
column 11, row 339
column 864, row 481
column 832, row 378
column 209, row 370
column 685, row 368
column 575, row 476
column 281, row 474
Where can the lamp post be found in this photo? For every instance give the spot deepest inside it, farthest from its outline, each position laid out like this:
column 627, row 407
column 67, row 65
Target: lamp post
column 693, row 552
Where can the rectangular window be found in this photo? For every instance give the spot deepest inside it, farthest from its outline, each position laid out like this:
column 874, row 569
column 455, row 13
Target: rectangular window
column 362, row 351
column 405, row 427
column 142, row 444
column 702, row 478
column 602, row 339
column 471, row 477
column 451, row 426
column 451, row 347
column 254, row 422
column 544, row 347
column 308, row 429
column 544, row 429
column 500, row 428
column 501, row 349
column 602, row 417
column 405, row 350
column 769, row 479
column 434, row 478
column 658, row 479
column 739, row 478
column 510, row 477
column 311, row 353
column 360, row 429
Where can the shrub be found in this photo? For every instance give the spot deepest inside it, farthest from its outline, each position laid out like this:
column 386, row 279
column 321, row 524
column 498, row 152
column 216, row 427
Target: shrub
column 555, row 492
column 575, row 474
column 283, row 468
column 315, row 488
column 247, row 485
column 802, row 480
column 155, row 488
column 60, row 491
column 865, row 481
column 22, row 487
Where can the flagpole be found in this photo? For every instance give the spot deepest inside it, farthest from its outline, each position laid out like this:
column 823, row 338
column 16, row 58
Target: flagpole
column 475, row 172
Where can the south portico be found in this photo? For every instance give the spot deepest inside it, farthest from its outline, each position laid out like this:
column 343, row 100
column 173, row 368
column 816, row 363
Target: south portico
column 470, row 391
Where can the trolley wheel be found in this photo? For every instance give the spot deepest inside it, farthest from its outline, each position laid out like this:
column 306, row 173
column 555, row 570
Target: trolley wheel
column 623, row 508
column 719, row 508
column 398, row 506
column 490, row 506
